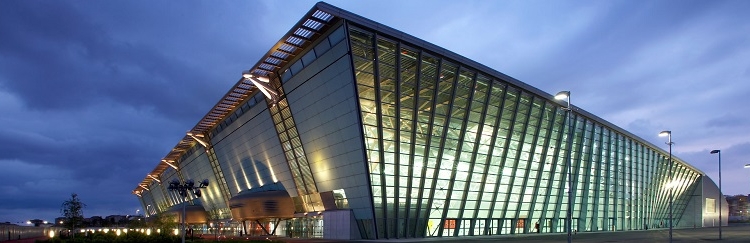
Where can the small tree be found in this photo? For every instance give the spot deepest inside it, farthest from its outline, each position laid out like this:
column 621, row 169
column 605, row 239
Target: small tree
column 72, row 210
column 164, row 221
column 137, row 223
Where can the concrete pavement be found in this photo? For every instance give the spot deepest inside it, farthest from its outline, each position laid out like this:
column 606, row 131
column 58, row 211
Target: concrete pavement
column 730, row 234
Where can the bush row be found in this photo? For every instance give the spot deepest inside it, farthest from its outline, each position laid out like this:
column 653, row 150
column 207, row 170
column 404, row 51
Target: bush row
column 135, row 237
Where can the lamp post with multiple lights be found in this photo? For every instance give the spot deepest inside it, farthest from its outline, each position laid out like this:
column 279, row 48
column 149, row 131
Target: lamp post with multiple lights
column 183, row 190
column 671, row 182
column 721, row 197
column 565, row 95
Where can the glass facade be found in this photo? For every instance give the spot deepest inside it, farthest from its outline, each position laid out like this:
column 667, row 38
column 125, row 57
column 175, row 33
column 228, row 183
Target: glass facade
column 452, row 151
column 375, row 134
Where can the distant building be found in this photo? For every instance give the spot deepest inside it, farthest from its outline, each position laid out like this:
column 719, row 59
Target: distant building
column 37, row 222
column 350, row 129
column 116, row 220
column 59, row 221
column 95, row 221
column 738, row 208
column 135, row 217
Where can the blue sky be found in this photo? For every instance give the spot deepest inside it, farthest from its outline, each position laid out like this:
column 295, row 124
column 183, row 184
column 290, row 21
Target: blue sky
column 93, row 94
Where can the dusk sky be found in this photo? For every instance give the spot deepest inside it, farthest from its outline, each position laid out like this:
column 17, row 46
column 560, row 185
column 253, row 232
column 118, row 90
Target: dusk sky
column 93, row 94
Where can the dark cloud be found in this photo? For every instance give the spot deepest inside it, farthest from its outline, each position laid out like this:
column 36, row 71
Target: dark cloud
column 63, row 59
column 727, row 120
column 734, row 176
column 93, row 94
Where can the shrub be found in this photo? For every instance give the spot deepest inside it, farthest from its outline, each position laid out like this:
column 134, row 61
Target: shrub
column 128, row 237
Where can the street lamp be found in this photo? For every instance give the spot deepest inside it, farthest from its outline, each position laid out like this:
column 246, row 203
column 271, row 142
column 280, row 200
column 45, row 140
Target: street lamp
column 721, row 198
column 671, row 182
column 747, row 166
column 183, row 190
column 565, row 95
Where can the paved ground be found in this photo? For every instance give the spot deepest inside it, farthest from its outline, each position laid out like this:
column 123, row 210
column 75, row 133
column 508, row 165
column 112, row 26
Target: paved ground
column 733, row 233
column 29, row 240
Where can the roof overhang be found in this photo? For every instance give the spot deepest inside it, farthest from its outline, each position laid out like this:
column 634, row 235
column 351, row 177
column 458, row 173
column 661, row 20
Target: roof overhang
column 300, row 37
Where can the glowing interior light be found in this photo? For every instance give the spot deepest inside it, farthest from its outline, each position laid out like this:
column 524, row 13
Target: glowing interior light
column 51, row 234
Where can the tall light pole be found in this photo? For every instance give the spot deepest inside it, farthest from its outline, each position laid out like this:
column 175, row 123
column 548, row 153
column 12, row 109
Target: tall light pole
column 747, row 166
column 671, row 179
column 565, row 95
column 721, row 197
column 183, row 189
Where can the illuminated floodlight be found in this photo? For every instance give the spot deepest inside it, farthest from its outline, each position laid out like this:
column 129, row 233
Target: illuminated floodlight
column 247, row 74
column 153, row 177
column 183, row 189
column 562, row 95
column 261, row 83
column 170, row 164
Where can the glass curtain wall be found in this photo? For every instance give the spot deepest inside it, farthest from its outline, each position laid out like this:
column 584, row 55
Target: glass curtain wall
column 452, row 152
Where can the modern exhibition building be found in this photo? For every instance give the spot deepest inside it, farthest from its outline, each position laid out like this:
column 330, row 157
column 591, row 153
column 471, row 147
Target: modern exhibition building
column 349, row 129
